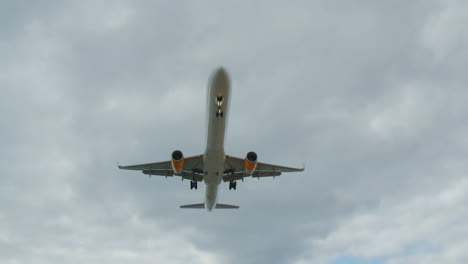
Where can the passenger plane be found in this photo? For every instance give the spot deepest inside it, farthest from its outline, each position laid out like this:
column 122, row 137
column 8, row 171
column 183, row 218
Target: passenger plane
column 213, row 166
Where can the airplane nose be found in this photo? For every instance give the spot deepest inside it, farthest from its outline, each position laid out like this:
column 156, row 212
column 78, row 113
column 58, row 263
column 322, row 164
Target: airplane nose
column 221, row 71
column 221, row 77
column 221, row 74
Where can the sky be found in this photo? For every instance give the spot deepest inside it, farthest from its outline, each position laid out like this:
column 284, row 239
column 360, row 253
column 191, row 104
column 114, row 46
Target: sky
column 369, row 95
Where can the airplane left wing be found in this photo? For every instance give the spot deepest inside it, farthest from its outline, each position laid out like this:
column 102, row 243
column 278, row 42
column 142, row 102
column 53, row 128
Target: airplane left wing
column 193, row 168
column 234, row 169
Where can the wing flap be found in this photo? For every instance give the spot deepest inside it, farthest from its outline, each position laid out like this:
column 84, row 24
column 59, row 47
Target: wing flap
column 168, row 173
column 188, row 175
column 256, row 174
column 192, row 176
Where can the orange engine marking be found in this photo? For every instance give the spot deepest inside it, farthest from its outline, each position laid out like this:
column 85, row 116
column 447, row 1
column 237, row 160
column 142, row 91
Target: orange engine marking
column 178, row 165
column 249, row 166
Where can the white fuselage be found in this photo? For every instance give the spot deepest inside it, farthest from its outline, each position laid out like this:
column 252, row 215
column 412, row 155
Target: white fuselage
column 214, row 156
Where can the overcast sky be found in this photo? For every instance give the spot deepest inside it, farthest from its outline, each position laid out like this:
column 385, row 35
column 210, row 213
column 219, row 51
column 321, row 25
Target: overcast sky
column 370, row 95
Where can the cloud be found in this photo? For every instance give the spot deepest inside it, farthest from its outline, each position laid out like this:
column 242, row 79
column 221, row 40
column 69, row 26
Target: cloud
column 424, row 227
column 370, row 96
column 444, row 34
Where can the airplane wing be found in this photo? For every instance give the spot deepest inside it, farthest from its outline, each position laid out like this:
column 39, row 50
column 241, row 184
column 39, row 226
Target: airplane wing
column 234, row 169
column 193, row 168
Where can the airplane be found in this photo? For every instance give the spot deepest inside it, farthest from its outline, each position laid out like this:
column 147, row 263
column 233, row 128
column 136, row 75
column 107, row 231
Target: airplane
column 213, row 166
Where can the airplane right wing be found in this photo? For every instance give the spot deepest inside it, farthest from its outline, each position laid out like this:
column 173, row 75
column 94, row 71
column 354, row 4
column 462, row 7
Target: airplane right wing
column 193, row 168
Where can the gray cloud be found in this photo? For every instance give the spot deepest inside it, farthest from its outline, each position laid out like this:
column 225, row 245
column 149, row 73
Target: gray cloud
column 369, row 95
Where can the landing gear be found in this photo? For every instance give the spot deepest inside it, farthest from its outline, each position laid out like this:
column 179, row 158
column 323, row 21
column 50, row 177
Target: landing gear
column 219, row 113
column 193, row 185
column 232, row 185
column 219, row 102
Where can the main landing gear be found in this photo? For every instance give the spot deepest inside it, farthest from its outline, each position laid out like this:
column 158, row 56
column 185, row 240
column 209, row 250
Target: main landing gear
column 193, row 185
column 232, row 185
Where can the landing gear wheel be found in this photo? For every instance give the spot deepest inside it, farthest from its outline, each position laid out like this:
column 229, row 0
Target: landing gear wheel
column 219, row 113
column 232, row 185
column 193, row 185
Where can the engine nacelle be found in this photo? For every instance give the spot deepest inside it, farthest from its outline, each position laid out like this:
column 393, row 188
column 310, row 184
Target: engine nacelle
column 177, row 161
column 250, row 162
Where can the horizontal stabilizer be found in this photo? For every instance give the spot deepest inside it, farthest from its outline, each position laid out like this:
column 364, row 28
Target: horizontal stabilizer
column 202, row 206
column 226, row 206
column 193, row 206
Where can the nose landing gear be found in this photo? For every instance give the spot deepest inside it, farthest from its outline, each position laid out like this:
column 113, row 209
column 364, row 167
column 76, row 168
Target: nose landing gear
column 219, row 102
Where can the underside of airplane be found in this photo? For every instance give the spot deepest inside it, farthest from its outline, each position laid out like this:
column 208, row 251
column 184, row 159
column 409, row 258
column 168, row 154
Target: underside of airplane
column 213, row 166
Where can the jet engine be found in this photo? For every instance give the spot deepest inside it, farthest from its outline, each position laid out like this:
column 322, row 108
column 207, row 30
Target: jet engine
column 177, row 161
column 250, row 162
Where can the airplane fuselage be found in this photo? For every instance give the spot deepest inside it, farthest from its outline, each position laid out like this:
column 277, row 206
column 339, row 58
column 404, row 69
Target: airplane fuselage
column 214, row 156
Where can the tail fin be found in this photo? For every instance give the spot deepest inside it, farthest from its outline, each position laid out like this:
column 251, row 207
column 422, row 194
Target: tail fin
column 202, row 206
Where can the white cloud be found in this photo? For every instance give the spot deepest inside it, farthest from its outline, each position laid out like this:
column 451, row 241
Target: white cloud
column 406, row 112
column 135, row 240
column 424, row 226
column 86, row 83
column 446, row 32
